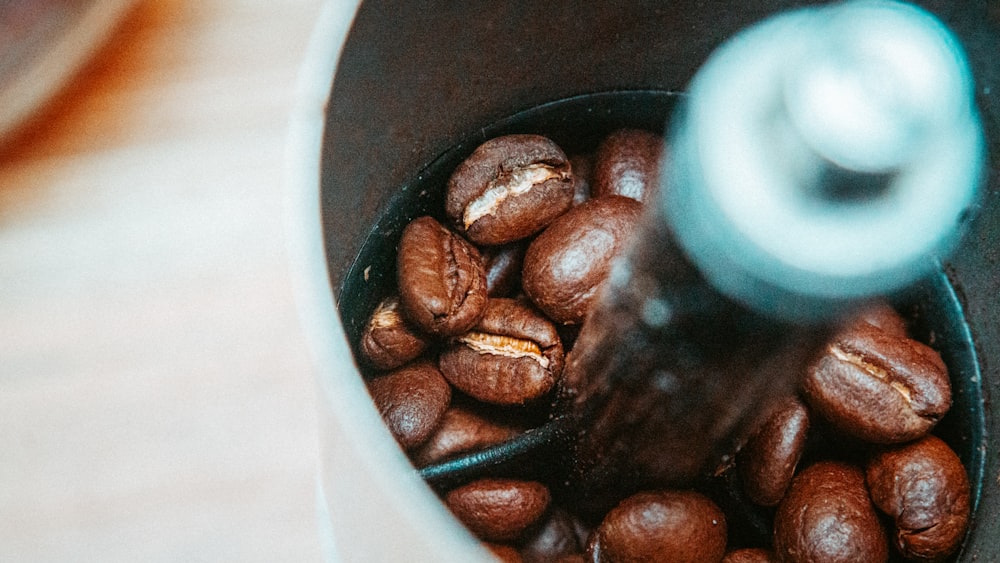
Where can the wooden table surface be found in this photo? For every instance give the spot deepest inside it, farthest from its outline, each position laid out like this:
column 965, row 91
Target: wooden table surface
column 157, row 400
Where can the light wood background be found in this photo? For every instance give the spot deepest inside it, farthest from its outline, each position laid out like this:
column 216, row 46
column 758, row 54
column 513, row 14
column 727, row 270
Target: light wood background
column 156, row 395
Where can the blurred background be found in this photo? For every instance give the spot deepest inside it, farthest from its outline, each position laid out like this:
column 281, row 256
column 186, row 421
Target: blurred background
column 156, row 397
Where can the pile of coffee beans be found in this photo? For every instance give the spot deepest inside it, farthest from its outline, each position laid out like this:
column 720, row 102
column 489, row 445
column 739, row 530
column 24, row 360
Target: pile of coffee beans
column 469, row 349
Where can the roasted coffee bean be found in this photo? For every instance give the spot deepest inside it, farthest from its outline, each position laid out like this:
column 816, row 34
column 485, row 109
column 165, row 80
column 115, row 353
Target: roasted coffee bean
column 442, row 284
column 661, row 526
column 767, row 462
column 566, row 264
column 412, row 401
column 878, row 387
column 503, row 269
column 559, row 535
column 750, row 555
column 498, row 510
column 512, row 356
column 827, row 517
column 388, row 341
column 628, row 164
column 462, row 430
column 509, row 188
column 923, row 486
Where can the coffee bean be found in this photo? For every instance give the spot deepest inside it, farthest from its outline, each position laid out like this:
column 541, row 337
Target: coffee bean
column 498, row 510
column 388, row 341
column 827, row 517
column 411, row 401
column 512, row 356
column 462, row 430
column 878, row 387
column 628, row 164
column 924, row 488
column 750, row 555
column 559, row 535
column 509, row 188
column 442, row 285
column 503, row 269
column 767, row 462
column 663, row 526
column 566, row 264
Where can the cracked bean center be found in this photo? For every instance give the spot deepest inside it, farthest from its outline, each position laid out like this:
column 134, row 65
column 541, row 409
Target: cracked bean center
column 518, row 182
column 501, row 345
column 870, row 368
column 386, row 317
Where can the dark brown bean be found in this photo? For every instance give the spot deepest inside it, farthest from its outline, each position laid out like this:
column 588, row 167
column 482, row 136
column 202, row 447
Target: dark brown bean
column 661, row 526
column 767, row 462
column 924, row 488
column 512, row 356
column 388, row 341
column 442, row 284
column 750, row 555
column 503, row 269
column 498, row 510
column 412, row 401
column 462, row 430
column 559, row 535
column 827, row 517
column 628, row 164
column 566, row 264
column 878, row 387
column 509, row 188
